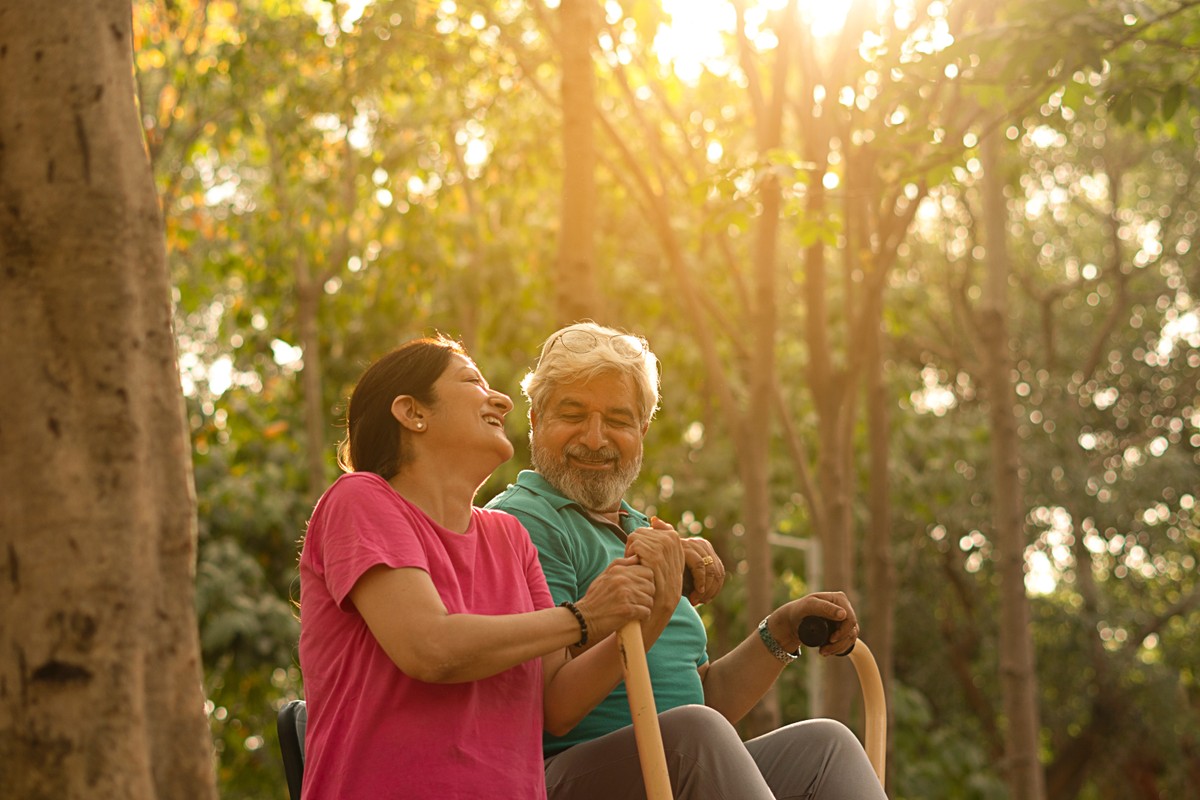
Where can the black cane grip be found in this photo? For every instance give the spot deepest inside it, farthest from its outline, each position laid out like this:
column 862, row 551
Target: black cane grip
column 689, row 583
column 815, row 631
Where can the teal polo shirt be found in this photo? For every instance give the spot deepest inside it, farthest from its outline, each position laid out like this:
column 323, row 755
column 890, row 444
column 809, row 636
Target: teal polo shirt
column 574, row 549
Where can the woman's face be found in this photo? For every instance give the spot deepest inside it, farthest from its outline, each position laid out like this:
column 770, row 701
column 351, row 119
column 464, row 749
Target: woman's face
column 468, row 415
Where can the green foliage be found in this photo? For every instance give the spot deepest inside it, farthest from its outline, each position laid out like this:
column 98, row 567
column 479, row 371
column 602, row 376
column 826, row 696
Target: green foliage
column 936, row 759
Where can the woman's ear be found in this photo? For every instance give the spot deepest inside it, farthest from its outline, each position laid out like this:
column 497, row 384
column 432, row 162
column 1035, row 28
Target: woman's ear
column 408, row 413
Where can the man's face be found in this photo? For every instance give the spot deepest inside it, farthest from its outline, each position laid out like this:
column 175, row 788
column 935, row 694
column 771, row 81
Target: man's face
column 587, row 440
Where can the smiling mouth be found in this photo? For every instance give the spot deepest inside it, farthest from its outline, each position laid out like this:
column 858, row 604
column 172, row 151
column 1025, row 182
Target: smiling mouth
column 592, row 463
column 495, row 422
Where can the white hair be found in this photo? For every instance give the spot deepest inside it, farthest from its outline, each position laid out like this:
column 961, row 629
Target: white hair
column 609, row 351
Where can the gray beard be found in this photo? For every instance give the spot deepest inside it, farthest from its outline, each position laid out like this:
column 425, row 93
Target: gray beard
column 595, row 492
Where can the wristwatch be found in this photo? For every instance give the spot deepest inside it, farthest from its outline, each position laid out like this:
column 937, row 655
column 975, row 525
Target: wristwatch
column 783, row 656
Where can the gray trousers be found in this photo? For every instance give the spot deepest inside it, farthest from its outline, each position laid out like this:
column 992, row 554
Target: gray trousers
column 817, row 759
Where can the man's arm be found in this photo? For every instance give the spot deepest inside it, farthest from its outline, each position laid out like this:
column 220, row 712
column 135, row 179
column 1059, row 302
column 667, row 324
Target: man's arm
column 739, row 679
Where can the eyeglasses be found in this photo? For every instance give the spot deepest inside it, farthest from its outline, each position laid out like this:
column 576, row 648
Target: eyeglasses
column 582, row 341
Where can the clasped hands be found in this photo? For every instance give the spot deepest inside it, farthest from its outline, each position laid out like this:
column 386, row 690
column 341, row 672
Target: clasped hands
column 649, row 578
column 667, row 553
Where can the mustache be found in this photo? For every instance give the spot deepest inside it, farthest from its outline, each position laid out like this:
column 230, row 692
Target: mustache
column 588, row 454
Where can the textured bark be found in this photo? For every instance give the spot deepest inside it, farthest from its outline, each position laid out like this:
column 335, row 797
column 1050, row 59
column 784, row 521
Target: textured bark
column 100, row 679
column 576, row 287
column 1023, row 773
column 756, row 503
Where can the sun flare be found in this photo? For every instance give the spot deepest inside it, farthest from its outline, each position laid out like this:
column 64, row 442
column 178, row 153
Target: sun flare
column 695, row 38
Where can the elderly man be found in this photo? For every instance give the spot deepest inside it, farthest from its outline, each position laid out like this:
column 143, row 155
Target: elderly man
column 592, row 396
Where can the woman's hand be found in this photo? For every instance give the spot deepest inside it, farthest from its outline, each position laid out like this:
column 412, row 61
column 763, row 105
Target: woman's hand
column 623, row 592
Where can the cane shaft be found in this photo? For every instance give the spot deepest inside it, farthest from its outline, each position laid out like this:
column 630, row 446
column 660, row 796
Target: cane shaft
column 644, row 713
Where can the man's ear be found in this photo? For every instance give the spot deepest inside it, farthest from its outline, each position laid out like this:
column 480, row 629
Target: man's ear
column 408, row 413
column 533, row 419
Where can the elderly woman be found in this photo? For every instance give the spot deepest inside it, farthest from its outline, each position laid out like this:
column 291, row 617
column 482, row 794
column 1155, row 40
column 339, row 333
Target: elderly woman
column 432, row 652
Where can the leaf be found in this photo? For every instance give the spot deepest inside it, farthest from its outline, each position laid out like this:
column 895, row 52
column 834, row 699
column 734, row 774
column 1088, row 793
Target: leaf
column 1171, row 101
column 1145, row 105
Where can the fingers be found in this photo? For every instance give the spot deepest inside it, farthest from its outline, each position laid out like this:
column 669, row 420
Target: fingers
column 659, row 548
column 824, row 608
column 623, row 592
column 628, row 573
column 706, row 568
column 836, row 606
column 833, row 606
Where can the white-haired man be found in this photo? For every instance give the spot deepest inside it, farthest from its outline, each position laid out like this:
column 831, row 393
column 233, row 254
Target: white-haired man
column 592, row 396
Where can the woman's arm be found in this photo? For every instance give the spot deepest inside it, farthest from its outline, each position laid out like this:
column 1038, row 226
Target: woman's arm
column 407, row 617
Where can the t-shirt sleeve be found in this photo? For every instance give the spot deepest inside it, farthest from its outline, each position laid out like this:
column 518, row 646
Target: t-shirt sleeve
column 534, row 577
column 553, row 554
column 363, row 526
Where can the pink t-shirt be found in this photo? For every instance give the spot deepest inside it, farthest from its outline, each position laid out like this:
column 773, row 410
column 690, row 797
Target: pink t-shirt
column 375, row 733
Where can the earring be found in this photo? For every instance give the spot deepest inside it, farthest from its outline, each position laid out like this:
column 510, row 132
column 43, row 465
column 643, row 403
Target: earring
column 420, row 426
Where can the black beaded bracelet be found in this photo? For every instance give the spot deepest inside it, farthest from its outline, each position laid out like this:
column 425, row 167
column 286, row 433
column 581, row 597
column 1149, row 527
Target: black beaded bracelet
column 583, row 631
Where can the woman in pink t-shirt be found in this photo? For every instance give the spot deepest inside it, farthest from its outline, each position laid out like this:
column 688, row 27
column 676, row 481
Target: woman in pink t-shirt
column 432, row 653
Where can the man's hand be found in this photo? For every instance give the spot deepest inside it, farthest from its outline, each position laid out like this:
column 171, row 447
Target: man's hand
column 708, row 573
column 835, row 606
column 660, row 548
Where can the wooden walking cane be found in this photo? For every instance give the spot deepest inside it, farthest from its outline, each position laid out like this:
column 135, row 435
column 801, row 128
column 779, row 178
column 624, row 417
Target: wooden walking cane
column 874, row 707
column 645, row 715
column 814, row 632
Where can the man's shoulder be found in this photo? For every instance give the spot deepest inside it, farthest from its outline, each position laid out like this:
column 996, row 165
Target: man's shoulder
column 529, row 501
column 526, row 495
column 554, row 522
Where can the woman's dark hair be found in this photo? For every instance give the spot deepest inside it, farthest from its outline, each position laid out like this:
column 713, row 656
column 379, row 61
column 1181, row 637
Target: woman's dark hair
column 373, row 436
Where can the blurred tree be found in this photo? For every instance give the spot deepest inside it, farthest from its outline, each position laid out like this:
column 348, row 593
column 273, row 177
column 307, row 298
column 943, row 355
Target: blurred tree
column 1018, row 674
column 1101, row 231
column 576, row 289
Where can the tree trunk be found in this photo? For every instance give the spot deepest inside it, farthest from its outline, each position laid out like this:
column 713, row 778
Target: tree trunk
column 100, row 680
column 576, row 288
column 756, row 502
column 756, row 474
column 308, row 308
column 839, row 685
column 1023, row 773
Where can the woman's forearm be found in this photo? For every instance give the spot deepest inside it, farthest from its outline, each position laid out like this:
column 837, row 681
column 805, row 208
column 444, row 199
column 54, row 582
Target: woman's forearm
column 469, row 647
column 409, row 621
